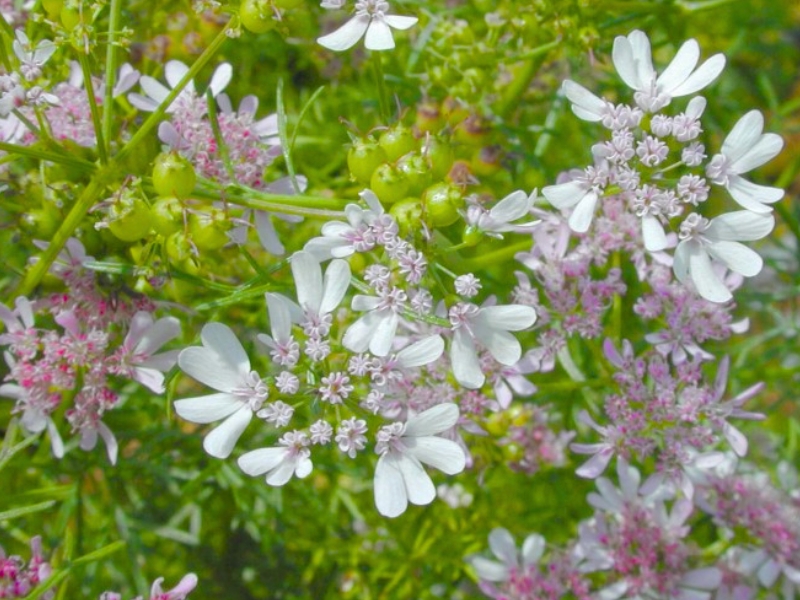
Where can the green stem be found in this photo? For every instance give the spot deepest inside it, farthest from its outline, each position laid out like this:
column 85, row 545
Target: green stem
column 496, row 257
column 533, row 60
column 155, row 117
column 31, row 152
column 83, row 59
column 316, row 206
column 383, row 99
column 115, row 11
column 703, row 5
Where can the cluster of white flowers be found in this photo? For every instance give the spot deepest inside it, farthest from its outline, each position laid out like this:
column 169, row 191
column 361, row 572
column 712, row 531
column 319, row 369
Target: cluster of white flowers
column 633, row 164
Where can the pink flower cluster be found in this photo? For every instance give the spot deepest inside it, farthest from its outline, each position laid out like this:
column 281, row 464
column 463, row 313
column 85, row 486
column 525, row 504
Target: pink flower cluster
column 86, row 338
column 17, row 578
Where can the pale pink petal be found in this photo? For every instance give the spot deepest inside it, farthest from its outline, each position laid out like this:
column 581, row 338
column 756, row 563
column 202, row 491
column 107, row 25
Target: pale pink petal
column 735, row 438
column 220, row 441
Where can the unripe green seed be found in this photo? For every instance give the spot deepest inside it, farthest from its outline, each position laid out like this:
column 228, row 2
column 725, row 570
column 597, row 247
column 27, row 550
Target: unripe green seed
column 389, row 184
column 441, row 202
column 363, row 158
column 256, row 16
column 173, row 175
column 407, row 214
column 209, row 231
column 397, row 142
column 167, row 215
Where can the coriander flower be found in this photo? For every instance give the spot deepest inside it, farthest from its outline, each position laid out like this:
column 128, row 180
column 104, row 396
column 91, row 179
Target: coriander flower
column 403, row 447
column 702, row 240
column 292, row 457
column 634, row 63
column 370, row 22
column 174, row 71
column 31, row 58
column 744, row 149
column 511, row 560
column 498, row 220
column 136, row 355
column 221, row 363
column 490, row 327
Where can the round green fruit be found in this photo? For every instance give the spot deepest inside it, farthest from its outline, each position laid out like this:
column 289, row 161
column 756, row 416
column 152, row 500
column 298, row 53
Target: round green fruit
column 209, row 231
column 416, row 169
column 130, row 220
column 256, row 16
column 173, row 175
column 408, row 214
column 389, row 184
column 363, row 158
column 167, row 215
column 442, row 202
column 397, row 141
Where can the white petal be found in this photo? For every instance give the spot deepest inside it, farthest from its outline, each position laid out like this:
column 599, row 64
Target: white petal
column 220, row 441
column 464, row 361
column 743, row 135
column 439, row 453
column 390, row 491
column 565, row 195
column 207, row 367
column 56, row 443
column 695, row 107
column 680, row 68
column 511, row 317
column 642, row 55
column 489, row 570
column 400, row 22
column 707, row 578
column 383, row 336
column 419, row 487
column 221, row 339
column 585, row 104
column 435, row 420
column 764, row 150
column 423, row 352
column 503, row 346
column 379, row 37
column 512, row 207
column 363, row 303
column 680, row 262
column 174, row 71
column 154, row 89
column 207, row 409
column 358, row 336
column 308, row 280
column 622, row 55
column 753, row 196
column 703, row 76
column 112, row 448
column 220, row 79
column 267, row 234
column 735, row 438
column 582, row 215
column 282, row 473
column 346, row 37
column 737, row 257
column 152, row 379
column 303, row 468
column 653, row 233
column 596, row 465
column 532, row 549
column 258, row 462
column 280, row 319
column 503, row 546
column 158, row 334
column 740, row 226
column 336, row 282
column 705, row 280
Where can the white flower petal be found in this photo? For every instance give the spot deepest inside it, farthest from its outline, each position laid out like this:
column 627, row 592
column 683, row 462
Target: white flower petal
column 220, row 441
column 174, row 71
column 258, row 462
column 512, row 207
column 682, row 65
column 419, row 487
column 735, row 438
column 503, row 546
column 585, row 104
column 307, row 280
column 207, row 409
column 511, row 317
column 390, row 491
column 703, row 76
column 207, row 367
column 383, row 335
column 154, row 89
column 437, row 452
column 359, row 335
column 267, row 235
column 423, row 352
column 532, row 549
column 400, row 22
column 464, row 361
column 740, row 226
column 764, row 150
column 503, row 346
column 280, row 319
column 282, row 473
column 753, row 196
column 435, row 420
column 565, row 195
column 335, row 285
column 489, row 570
column 159, row 333
column 595, row 466
column 583, row 213
column 303, row 468
column 705, row 280
column 220, row 79
column 346, row 36
column 655, row 239
column 379, row 37
column 625, row 63
column 743, row 136
column 737, row 257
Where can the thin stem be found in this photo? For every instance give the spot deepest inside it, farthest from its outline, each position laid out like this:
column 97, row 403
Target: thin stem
column 83, row 59
column 498, row 256
column 115, row 10
column 383, row 99
column 155, row 117
column 64, row 159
